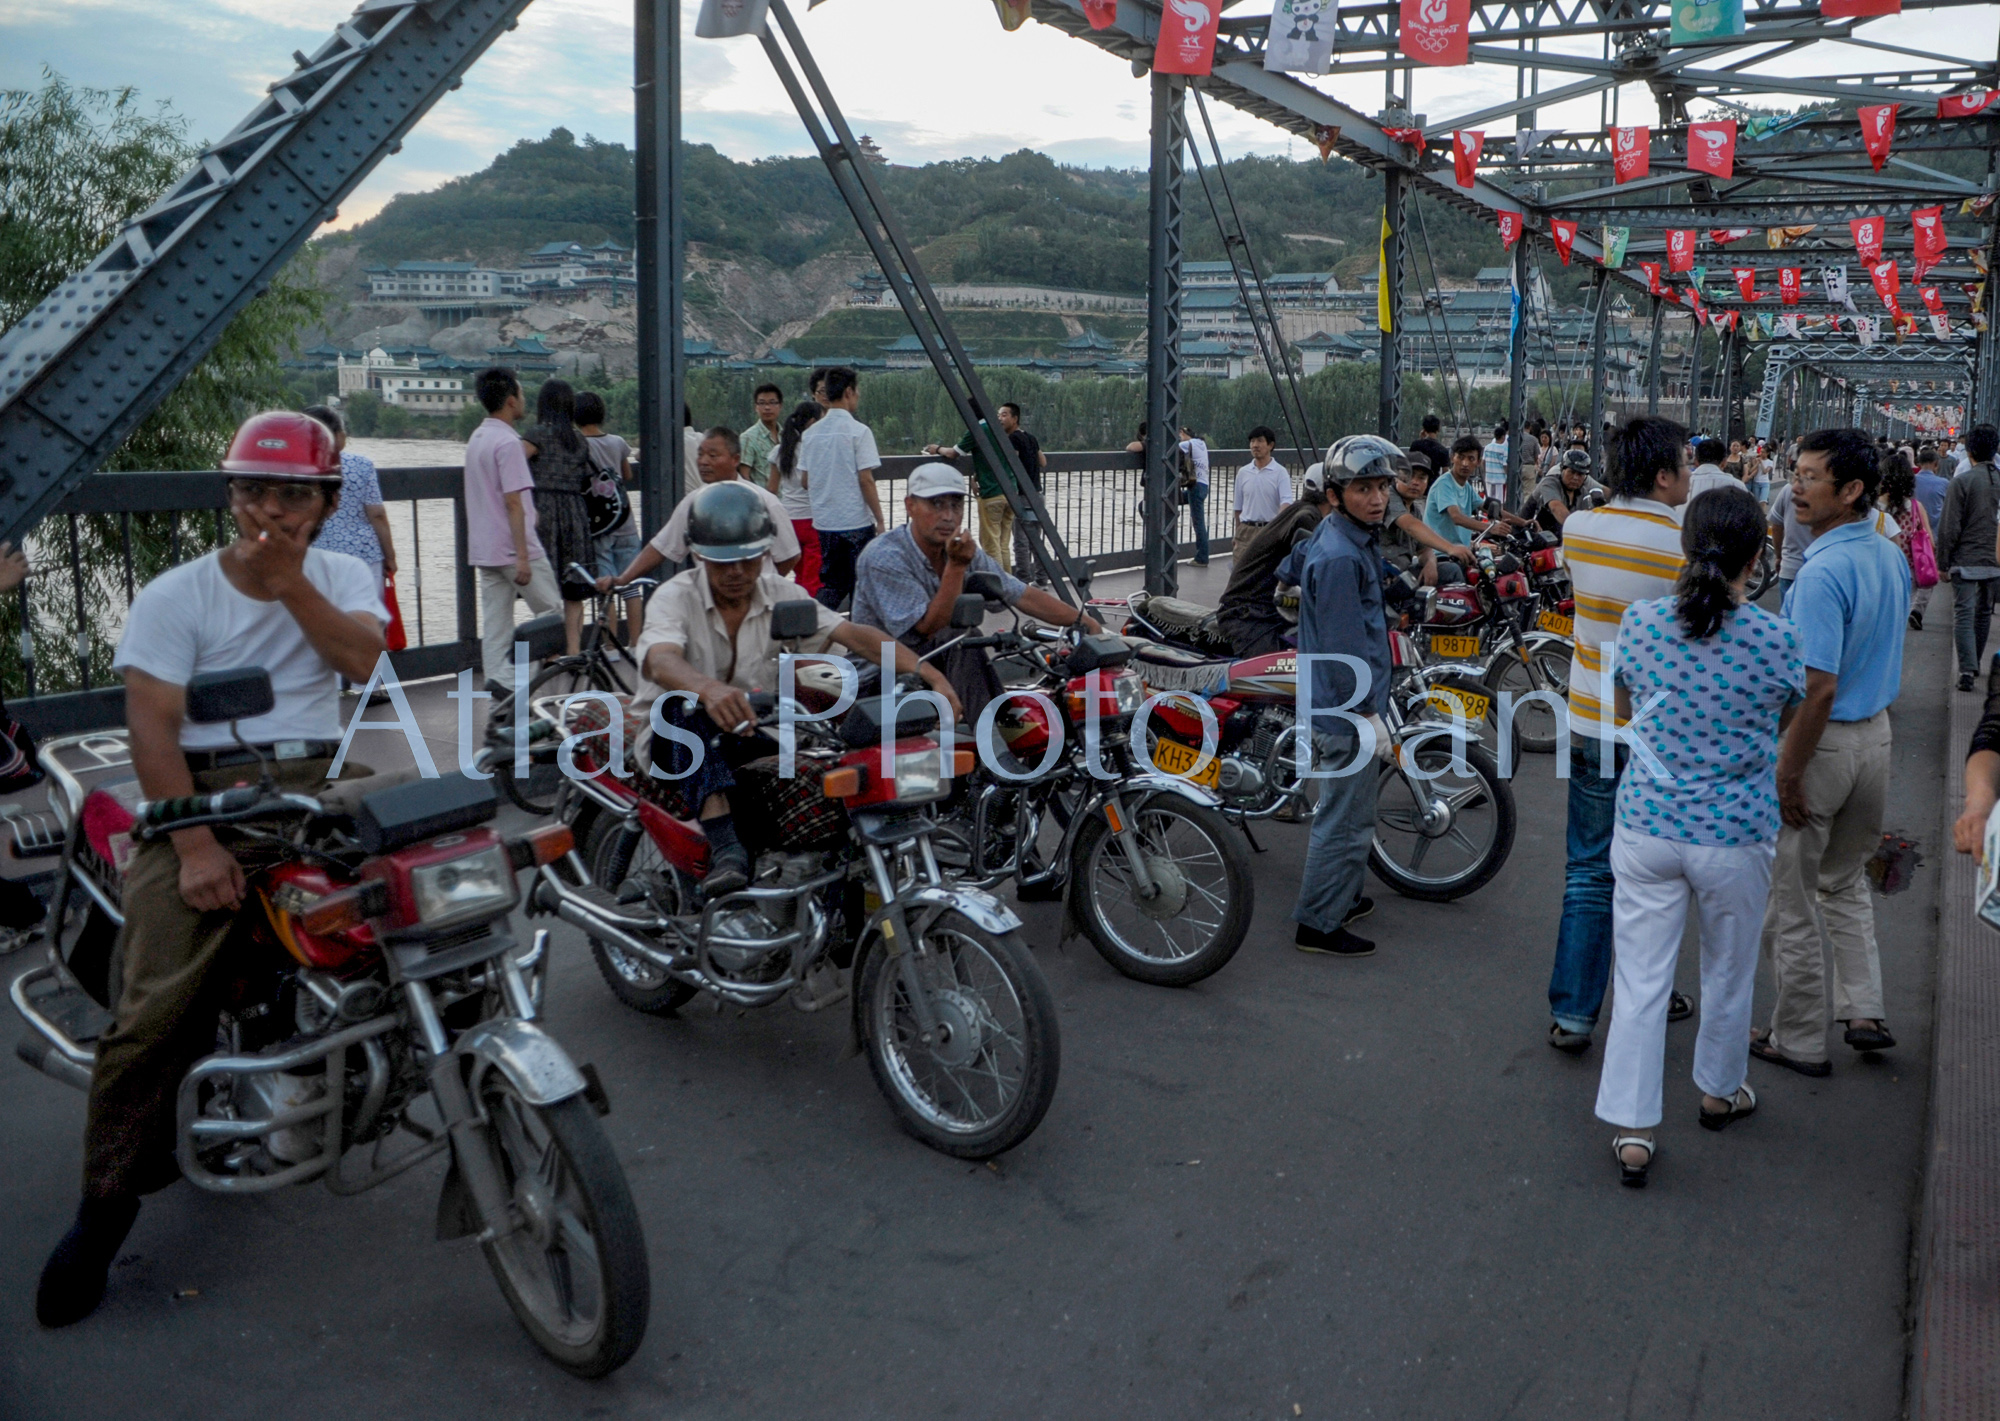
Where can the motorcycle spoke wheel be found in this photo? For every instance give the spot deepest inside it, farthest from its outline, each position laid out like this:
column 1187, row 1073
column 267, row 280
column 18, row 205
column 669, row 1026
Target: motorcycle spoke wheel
column 1535, row 722
column 574, row 1268
column 1201, row 913
column 615, row 858
column 1443, row 838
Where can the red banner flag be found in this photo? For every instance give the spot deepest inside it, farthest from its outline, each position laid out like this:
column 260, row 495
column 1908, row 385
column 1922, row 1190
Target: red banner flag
column 1100, row 13
column 1700, row 306
column 1887, row 280
column 1878, row 130
column 1564, row 235
column 1712, row 148
column 1465, row 146
column 1928, row 225
column 1746, row 282
column 1187, row 37
column 1652, row 270
column 1933, row 299
column 1510, row 228
column 1680, row 249
column 1412, row 136
column 1723, row 236
column 1433, row 31
column 1858, row 9
column 1631, row 152
column 1966, row 105
column 1867, row 237
column 1788, row 285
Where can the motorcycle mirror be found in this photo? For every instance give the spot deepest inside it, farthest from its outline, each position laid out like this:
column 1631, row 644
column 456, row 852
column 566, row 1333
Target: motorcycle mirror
column 240, row 694
column 968, row 610
column 794, row 619
column 987, row 585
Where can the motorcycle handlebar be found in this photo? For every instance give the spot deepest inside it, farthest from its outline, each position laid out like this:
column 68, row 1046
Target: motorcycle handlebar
column 168, row 814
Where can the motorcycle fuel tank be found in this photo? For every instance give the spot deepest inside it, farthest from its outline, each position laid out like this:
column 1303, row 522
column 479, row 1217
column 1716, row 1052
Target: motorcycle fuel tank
column 1273, row 677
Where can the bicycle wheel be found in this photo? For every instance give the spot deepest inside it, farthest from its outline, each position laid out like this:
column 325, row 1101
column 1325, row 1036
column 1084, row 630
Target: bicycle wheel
column 560, row 679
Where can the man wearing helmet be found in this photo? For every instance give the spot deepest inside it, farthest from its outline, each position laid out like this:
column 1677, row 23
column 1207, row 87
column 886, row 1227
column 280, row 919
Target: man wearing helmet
column 1338, row 572
column 1549, row 506
column 708, row 632
column 306, row 615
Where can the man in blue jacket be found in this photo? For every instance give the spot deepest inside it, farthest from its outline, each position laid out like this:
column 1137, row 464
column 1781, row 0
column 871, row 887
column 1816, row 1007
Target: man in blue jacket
column 1339, row 576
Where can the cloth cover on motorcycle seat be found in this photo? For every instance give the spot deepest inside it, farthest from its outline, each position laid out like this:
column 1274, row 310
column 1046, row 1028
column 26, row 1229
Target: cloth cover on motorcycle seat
column 1158, row 653
column 1174, row 612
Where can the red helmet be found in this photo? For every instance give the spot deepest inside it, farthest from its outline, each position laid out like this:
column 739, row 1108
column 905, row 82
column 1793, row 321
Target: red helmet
column 282, row 446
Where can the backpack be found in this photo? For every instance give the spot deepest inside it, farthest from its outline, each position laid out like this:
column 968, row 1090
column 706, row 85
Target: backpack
column 604, row 502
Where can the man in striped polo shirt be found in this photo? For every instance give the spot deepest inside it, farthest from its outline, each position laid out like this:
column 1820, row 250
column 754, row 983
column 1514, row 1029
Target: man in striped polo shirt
column 1624, row 552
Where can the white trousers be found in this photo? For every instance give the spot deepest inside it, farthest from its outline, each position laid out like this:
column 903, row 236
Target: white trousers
column 497, row 591
column 1649, row 909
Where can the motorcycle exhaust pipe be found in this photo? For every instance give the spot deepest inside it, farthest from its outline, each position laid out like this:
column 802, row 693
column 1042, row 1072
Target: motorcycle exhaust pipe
column 614, row 930
column 51, row 1062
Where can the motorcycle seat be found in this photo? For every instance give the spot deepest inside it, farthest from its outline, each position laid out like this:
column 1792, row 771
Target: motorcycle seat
column 344, row 796
column 1159, row 653
column 1176, row 611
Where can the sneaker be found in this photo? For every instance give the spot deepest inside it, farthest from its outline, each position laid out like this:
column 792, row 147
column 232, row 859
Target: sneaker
column 728, row 871
column 1363, row 906
column 1341, row 943
column 1965, row 681
column 1916, row 621
column 1570, row 1043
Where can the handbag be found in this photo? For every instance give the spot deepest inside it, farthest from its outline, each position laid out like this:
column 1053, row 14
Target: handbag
column 393, row 636
column 1923, row 554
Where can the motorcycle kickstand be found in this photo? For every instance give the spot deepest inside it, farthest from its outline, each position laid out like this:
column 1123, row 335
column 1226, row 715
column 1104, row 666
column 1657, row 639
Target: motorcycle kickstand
column 1243, row 823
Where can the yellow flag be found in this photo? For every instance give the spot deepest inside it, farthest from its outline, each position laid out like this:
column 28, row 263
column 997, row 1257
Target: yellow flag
column 1383, row 316
column 1013, row 13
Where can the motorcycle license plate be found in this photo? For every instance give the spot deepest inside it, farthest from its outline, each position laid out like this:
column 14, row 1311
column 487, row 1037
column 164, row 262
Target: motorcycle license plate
column 1177, row 759
column 1445, row 645
column 1556, row 622
column 1447, row 701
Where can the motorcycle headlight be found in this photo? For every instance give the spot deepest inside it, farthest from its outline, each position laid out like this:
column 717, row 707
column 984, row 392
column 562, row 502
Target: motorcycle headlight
column 1129, row 690
column 478, row 885
column 917, row 776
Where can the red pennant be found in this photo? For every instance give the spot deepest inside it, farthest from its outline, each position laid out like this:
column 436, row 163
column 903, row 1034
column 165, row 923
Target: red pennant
column 1746, row 282
column 1723, row 236
column 1928, row 225
column 1100, row 13
column 1564, row 235
column 1858, row 9
column 1510, row 228
column 1435, row 31
column 1788, row 285
column 1631, row 152
column 1680, row 249
column 1700, row 306
column 1712, row 148
column 1933, row 299
column 1966, row 105
column 1887, row 280
column 1412, row 136
column 1187, row 38
column 1652, row 270
column 1465, row 146
column 1867, row 237
column 1878, row 130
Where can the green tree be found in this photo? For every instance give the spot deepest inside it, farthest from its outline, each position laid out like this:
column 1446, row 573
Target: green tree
column 75, row 164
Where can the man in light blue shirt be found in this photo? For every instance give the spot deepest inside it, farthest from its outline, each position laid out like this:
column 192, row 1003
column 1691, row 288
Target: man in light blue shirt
column 1849, row 604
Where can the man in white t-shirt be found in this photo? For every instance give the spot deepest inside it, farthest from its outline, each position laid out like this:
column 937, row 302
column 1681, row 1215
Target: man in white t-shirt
column 837, row 461
column 307, row 616
column 717, row 460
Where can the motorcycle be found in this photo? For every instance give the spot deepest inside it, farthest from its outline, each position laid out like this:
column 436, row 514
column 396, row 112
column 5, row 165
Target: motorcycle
column 381, row 1016
column 1145, row 862
column 846, row 899
column 1510, row 622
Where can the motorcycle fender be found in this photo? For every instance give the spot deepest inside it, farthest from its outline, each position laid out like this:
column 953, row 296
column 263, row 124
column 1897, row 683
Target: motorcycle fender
column 539, row 1069
column 1535, row 641
column 1417, row 739
column 1144, row 784
column 982, row 907
column 1470, row 669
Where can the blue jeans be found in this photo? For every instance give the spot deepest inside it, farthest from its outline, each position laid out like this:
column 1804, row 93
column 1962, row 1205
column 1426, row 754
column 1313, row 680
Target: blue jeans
column 1197, row 502
column 614, row 551
column 1343, row 828
column 839, row 549
column 1583, row 941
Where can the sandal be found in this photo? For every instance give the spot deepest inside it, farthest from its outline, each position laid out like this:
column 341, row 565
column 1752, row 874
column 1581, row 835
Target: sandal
column 1763, row 1050
column 1630, row 1175
column 1743, row 1103
column 1869, row 1038
column 1680, row 1006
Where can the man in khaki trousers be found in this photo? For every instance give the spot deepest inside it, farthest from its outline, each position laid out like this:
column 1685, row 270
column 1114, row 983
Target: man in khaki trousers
column 1849, row 604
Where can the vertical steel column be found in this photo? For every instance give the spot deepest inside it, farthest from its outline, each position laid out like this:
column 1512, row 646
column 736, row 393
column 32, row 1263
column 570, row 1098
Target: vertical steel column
column 1726, row 356
column 659, row 229
column 1653, row 360
column 1694, row 377
column 1599, row 325
column 1163, row 333
column 1389, row 420
column 1985, row 397
column 1517, row 372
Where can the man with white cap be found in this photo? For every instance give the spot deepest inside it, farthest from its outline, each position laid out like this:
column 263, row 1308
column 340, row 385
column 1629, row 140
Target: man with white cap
column 1248, row 614
column 907, row 580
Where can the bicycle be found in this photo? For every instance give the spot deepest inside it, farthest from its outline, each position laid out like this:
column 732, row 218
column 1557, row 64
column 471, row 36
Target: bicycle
column 603, row 664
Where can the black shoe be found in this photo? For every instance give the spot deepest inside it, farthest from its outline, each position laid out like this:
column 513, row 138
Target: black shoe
column 1680, row 1006
column 1570, row 1043
column 1763, row 1050
column 1363, row 906
column 73, row 1279
column 1916, row 621
column 1340, row 943
column 1965, row 681
column 1869, row 1038
column 728, row 870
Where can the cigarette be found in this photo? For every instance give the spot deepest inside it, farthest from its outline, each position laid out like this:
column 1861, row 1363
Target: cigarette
column 264, row 537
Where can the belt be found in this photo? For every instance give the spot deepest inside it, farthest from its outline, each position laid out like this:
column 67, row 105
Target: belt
column 1253, row 522
column 199, row 760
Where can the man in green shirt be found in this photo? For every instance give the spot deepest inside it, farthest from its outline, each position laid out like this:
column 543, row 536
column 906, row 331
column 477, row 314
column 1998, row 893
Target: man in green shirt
column 762, row 437
column 996, row 515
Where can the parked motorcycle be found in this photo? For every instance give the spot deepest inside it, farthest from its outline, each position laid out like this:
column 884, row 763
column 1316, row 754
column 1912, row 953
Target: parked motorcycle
column 846, row 899
column 1146, row 862
column 383, row 1016
column 1512, row 619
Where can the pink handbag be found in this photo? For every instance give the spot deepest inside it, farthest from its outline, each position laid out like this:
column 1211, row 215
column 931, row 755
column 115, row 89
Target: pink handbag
column 1923, row 556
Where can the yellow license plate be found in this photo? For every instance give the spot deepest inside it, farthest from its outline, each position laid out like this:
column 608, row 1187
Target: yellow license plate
column 1469, row 704
column 1442, row 645
column 1556, row 622
column 1177, row 759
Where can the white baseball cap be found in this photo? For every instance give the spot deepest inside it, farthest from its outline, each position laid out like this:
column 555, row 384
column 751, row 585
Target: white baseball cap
column 936, row 480
column 1314, row 481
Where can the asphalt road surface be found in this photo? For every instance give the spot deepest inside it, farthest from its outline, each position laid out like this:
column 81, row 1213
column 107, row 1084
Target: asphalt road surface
column 1305, row 1187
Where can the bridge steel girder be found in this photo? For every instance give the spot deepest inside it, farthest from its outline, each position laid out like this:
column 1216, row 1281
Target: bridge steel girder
column 80, row 371
column 660, row 240
column 1163, row 331
column 1395, row 214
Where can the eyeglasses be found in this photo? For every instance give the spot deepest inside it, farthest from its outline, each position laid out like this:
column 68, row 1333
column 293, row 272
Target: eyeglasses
column 291, row 497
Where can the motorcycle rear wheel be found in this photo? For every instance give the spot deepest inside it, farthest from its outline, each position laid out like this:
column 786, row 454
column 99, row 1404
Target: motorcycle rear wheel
column 564, row 677
column 983, row 1086
column 575, row 1273
column 1400, row 855
column 1192, row 934
column 1535, row 724
column 615, row 856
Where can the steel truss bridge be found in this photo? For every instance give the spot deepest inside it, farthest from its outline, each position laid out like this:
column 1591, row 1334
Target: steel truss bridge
column 79, row 373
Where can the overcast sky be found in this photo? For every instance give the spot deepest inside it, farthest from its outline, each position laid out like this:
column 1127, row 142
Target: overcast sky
column 928, row 79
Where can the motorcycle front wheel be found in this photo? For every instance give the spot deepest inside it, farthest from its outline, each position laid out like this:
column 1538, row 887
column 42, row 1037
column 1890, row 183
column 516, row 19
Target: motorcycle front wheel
column 985, row 1079
column 1535, row 722
column 1194, row 924
column 575, row 1270
column 617, row 856
column 1442, row 838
